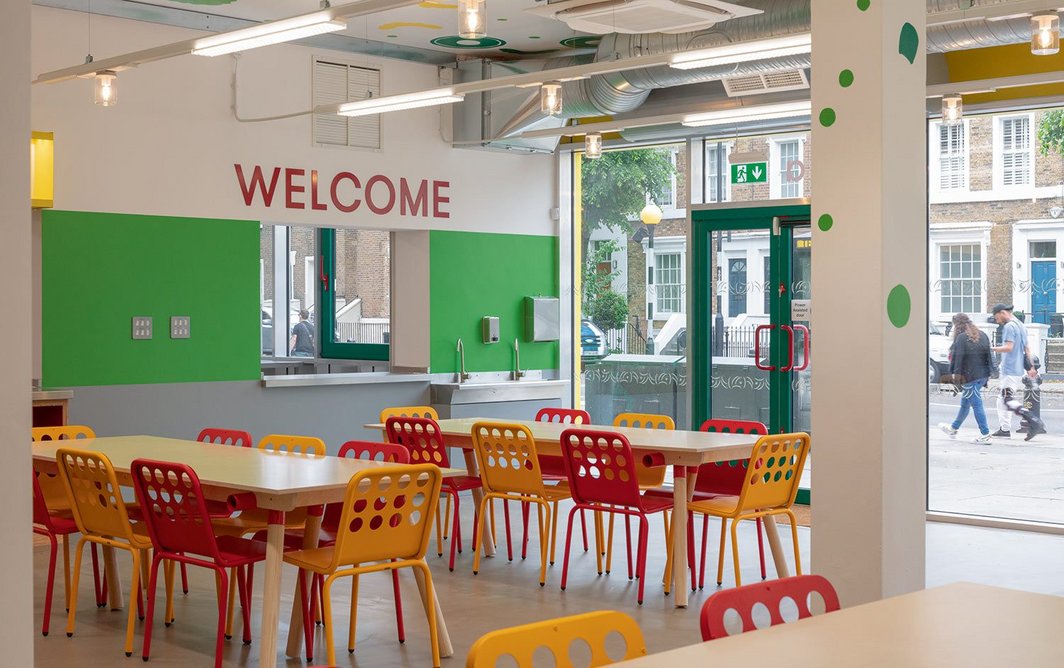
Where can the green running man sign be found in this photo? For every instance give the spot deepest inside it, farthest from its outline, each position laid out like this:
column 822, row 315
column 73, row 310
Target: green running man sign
column 749, row 172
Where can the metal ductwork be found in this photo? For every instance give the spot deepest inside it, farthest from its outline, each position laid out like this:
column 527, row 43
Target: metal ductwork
column 975, row 33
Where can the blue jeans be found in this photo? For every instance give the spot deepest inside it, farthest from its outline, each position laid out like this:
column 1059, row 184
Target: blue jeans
column 972, row 399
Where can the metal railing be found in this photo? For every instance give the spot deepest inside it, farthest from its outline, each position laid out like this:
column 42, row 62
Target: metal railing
column 737, row 341
column 363, row 332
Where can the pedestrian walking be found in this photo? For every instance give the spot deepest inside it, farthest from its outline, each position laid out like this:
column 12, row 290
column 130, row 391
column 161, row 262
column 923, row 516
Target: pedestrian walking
column 970, row 364
column 1015, row 362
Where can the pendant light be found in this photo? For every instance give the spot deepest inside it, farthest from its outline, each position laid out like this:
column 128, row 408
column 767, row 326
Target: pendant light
column 1045, row 34
column 952, row 109
column 106, row 88
column 550, row 99
column 593, row 146
column 472, row 19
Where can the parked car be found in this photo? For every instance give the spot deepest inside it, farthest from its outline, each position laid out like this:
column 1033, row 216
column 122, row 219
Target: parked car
column 592, row 340
column 938, row 345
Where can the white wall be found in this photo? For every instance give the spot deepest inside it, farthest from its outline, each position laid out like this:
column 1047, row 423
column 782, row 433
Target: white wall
column 16, row 567
column 169, row 146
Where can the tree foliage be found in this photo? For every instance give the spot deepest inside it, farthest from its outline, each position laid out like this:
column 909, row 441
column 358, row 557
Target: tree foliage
column 1051, row 132
column 595, row 281
column 610, row 310
column 616, row 185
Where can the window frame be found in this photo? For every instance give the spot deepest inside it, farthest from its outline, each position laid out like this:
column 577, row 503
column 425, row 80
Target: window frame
column 935, row 157
column 999, row 153
column 326, row 317
column 665, row 246
column 707, row 146
column 775, row 184
column 954, row 234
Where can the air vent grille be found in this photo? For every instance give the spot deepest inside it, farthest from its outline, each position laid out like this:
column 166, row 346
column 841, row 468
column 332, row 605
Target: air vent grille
column 768, row 82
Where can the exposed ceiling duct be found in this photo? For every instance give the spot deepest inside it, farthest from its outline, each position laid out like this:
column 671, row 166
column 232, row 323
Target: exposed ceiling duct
column 976, row 33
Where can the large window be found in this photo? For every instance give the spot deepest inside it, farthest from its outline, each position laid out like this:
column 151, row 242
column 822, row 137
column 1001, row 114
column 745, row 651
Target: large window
column 667, row 283
column 737, row 286
column 1016, row 158
column 952, row 156
column 960, row 267
column 787, row 174
column 717, row 172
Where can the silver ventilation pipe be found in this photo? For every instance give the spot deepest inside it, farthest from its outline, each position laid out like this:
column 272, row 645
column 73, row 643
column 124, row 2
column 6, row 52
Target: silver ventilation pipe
column 976, row 33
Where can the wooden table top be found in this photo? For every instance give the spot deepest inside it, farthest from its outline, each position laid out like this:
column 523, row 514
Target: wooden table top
column 224, row 467
column 727, row 446
column 959, row 625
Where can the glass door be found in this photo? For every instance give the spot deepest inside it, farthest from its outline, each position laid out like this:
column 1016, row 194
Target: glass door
column 751, row 298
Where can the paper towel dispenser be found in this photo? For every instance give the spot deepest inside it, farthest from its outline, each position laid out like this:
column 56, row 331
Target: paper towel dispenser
column 542, row 316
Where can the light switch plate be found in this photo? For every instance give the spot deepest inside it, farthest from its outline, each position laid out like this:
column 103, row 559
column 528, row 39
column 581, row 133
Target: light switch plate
column 141, row 327
column 180, row 327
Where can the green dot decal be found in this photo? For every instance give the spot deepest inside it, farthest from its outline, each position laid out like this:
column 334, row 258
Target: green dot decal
column 899, row 306
column 846, row 78
column 582, row 42
column 456, row 42
column 863, row 5
column 827, row 117
column 825, row 222
column 909, row 42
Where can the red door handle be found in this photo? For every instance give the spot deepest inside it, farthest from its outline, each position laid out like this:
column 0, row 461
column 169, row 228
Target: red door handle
column 790, row 348
column 805, row 347
column 321, row 272
column 757, row 347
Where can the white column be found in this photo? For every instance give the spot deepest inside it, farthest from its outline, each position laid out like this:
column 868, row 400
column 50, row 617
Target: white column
column 16, row 566
column 870, row 278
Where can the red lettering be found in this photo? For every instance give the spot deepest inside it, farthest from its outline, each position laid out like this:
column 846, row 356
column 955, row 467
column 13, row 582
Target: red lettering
column 290, row 188
column 438, row 199
column 257, row 183
column 314, row 203
column 346, row 208
column 409, row 203
column 373, row 180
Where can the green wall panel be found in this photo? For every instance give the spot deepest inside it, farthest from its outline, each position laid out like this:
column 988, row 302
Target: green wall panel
column 100, row 269
column 473, row 275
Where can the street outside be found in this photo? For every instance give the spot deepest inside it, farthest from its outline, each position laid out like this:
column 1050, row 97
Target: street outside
column 1006, row 478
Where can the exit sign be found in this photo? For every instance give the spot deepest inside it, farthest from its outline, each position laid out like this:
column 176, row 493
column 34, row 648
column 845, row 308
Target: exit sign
column 750, row 172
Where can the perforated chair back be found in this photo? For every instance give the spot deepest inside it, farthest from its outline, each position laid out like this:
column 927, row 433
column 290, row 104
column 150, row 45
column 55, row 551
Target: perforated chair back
column 55, row 495
column 600, row 467
column 649, row 476
column 563, row 416
column 410, row 411
column 774, row 472
column 374, row 451
column 96, row 498
column 726, row 478
column 387, row 514
column 421, row 437
column 226, row 437
column 556, row 637
column 506, row 456
column 41, row 515
column 780, row 597
column 300, row 445
column 172, row 503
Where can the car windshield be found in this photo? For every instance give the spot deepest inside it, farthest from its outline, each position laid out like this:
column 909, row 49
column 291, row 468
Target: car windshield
column 932, row 329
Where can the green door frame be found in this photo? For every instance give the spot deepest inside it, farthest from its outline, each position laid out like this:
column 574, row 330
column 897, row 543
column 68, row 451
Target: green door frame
column 777, row 218
column 327, row 347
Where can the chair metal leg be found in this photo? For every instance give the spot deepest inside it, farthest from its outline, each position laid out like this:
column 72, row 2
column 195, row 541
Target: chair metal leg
column 222, row 587
column 152, row 580
column 66, row 571
column 553, row 532
column 609, row 545
column 568, row 541
column 430, row 612
column 72, row 601
column 641, row 555
column 506, row 521
column 479, row 533
column 245, row 604
column 184, row 580
column 544, row 529
column 583, row 529
column 761, row 548
column 398, row 605
column 735, row 551
column 720, row 551
column 326, row 605
column 628, row 542
column 101, row 591
column 134, row 591
column 304, row 604
column 230, row 606
column 439, row 531
column 456, row 532
column 702, row 566
column 525, row 508
column 599, row 542
column 168, row 576
column 794, row 537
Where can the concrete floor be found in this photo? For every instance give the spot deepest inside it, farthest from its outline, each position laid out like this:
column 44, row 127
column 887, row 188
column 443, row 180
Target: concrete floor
column 504, row 594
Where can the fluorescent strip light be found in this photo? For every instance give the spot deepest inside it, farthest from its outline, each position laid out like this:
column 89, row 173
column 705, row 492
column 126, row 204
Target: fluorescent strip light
column 765, row 112
column 743, row 52
column 274, row 32
column 380, row 105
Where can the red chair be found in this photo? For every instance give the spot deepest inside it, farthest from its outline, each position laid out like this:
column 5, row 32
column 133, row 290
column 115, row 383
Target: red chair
column 551, row 467
column 172, row 504
column 602, row 478
column 52, row 526
column 423, row 438
column 771, row 594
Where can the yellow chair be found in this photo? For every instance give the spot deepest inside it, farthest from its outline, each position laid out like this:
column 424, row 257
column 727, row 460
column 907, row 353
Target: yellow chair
column 409, row 411
column 101, row 517
column 770, row 488
column 509, row 470
column 521, row 643
column 299, row 445
column 385, row 525
column 55, row 496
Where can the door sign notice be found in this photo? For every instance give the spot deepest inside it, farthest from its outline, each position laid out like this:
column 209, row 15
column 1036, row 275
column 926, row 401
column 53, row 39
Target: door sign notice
column 801, row 309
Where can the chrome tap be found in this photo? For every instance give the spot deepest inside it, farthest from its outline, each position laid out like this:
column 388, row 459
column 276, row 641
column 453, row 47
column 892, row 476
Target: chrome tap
column 462, row 375
column 518, row 374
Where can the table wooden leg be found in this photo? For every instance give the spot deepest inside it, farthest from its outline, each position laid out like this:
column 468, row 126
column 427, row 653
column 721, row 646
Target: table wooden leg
column 478, row 495
column 271, row 591
column 114, row 583
column 679, row 536
column 778, row 556
column 295, row 626
column 442, row 636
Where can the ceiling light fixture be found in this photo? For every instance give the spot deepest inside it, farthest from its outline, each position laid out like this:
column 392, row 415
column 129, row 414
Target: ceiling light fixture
column 1045, row 34
column 106, row 90
column 550, row 99
column 274, row 32
column 380, row 105
column 765, row 112
column 729, row 54
column 952, row 109
column 472, row 19
column 593, row 146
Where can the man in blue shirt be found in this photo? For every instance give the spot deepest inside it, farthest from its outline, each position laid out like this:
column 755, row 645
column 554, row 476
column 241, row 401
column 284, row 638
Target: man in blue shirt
column 1015, row 359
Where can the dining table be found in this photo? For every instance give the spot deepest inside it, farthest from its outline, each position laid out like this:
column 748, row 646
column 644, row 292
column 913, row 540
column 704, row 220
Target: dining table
column 960, row 625
column 280, row 482
column 683, row 450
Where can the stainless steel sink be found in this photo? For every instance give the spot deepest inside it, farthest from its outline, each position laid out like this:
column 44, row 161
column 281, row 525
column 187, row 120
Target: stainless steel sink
column 473, row 392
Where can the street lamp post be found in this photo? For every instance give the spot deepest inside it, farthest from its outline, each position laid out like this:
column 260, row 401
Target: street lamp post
column 651, row 215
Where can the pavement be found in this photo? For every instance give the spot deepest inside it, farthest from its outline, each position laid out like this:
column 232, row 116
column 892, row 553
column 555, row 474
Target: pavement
column 1005, row 478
